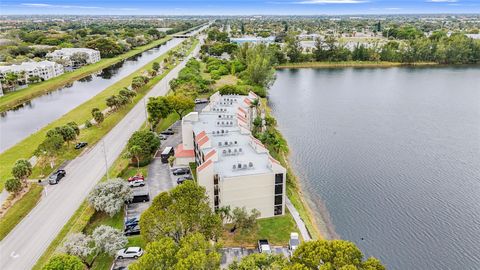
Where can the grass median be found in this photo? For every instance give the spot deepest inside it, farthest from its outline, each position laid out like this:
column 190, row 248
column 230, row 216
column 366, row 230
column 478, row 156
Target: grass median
column 12, row 99
column 19, row 210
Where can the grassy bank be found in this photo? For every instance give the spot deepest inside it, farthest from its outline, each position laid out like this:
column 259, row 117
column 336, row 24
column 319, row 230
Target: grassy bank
column 80, row 114
column 366, row 64
column 15, row 98
column 19, row 210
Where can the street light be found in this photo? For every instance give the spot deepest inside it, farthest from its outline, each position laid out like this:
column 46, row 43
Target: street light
column 105, row 157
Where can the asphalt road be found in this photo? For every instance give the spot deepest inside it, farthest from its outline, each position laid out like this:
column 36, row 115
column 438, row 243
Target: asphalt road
column 31, row 237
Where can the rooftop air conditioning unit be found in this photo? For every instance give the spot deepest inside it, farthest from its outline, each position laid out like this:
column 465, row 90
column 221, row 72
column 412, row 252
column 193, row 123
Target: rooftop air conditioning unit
column 234, row 166
column 250, row 164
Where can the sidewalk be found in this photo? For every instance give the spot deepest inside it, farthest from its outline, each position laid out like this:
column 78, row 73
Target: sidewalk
column 300, row 224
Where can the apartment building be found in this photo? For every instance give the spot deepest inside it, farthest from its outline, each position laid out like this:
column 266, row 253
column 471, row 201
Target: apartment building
column 235, row 168
column 44, row 70
column 65, row 54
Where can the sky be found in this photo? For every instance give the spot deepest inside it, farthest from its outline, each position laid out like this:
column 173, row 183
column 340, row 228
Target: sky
column 236, row 7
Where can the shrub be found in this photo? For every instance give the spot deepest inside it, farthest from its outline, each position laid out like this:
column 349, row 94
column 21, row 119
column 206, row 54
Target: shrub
column 13, row 185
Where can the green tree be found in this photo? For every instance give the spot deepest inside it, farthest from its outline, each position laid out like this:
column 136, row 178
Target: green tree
column 143, row 144
column 68, row 133
column 259, row 69
column 259, row 261
column 13, row 185
column 180, row 104
column 75, row 127
column 182, row 211
column 158, row 108
column 156, row 66
column 106, row 46
column 97, row 115
column 192, row 252
column 21, row 170
column 333, row 254
column 244, row 221
column 63, row 262
column 294, row 49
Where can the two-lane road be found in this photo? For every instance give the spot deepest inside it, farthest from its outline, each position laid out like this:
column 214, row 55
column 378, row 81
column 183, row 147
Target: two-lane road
column 31, row 237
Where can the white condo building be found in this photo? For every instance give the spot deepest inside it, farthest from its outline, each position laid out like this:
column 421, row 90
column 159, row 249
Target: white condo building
column 235, row 168
column 44, row 69
column 65, row 54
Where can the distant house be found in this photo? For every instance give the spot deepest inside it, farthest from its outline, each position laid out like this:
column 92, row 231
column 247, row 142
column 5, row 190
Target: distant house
column 474, row 36
column 65, row 55
column 44, row 70
column 235, row 168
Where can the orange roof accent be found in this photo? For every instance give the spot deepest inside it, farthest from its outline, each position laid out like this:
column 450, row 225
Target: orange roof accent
column 180, row 152
column 241, row 109
column 210, row 154
column 239, row 115
column 242, row 119
column 274, row 160
column 203, row 140
column 200, row 135
column 253, row 93
column 204, row 165
column 248, row 101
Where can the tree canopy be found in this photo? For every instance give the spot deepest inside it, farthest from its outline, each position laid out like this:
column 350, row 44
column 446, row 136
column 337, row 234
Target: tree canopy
column 143, row 144
column 192, row 252
column 63, row 262
column 110, row 196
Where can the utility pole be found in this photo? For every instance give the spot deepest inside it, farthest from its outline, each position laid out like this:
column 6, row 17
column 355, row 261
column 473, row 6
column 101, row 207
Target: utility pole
column 105, row 156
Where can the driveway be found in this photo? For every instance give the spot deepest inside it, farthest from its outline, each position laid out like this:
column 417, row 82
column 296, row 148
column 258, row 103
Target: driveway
column 22, row 247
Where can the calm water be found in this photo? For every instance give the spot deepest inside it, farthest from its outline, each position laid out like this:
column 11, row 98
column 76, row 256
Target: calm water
column 19, row 123
column 391, row 156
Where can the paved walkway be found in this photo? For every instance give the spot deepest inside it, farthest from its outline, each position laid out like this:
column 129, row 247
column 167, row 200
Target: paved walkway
column 300, row 224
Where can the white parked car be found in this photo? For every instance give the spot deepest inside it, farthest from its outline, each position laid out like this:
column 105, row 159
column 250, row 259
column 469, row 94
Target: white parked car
column 130, row 252
column 137, row 183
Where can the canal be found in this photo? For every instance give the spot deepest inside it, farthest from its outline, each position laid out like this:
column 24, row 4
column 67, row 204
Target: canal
column 21, row 121
column 389, row 158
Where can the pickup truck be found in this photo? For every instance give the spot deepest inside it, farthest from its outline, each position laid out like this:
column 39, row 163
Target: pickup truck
column 293, row 242
column 264, row 246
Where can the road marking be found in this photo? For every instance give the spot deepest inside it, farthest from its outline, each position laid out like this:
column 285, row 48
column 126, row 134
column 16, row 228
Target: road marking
column 13, row 255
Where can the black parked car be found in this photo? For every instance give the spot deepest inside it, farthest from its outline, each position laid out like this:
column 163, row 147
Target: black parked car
column 168, row 131
column 131, row 222
column 55, row 177
column 133, row 230
column 181, row 171
column 183, row 179
column 80, row 145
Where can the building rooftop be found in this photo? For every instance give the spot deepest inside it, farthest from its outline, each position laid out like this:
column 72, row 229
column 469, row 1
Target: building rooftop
column 225, row 141
column 27, row 66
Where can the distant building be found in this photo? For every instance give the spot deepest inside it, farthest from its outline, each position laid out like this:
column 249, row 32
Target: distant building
column 235, row 168
column 255, row 40
column 45, row 70
column 474, row 36
column 65, row 54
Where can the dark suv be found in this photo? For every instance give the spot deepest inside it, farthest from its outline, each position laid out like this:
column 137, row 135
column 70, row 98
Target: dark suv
column 55, row 177
column 181, row 171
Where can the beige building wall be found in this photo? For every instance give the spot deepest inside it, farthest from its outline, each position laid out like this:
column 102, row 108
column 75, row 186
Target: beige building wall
column 251, row 191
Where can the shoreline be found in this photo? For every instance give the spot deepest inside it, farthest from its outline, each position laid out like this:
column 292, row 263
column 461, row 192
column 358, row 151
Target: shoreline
column 296, row 194
column 359, row 64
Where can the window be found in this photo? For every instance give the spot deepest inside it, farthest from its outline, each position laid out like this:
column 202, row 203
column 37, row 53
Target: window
column 278, row 189
column 279, row 178
column 277, row 210
column 278, row 199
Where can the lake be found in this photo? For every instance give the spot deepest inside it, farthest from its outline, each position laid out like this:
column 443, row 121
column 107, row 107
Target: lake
column 389, row 158
column 18, row 123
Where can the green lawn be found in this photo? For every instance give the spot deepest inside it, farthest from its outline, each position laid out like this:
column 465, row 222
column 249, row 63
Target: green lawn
column 14, row 98
column 19, row 210
column 276, row 229
column 80, row 114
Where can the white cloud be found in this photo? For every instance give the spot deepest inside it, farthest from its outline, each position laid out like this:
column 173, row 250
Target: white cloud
column 320, row 2
column 39, row 5
column 442, row 1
